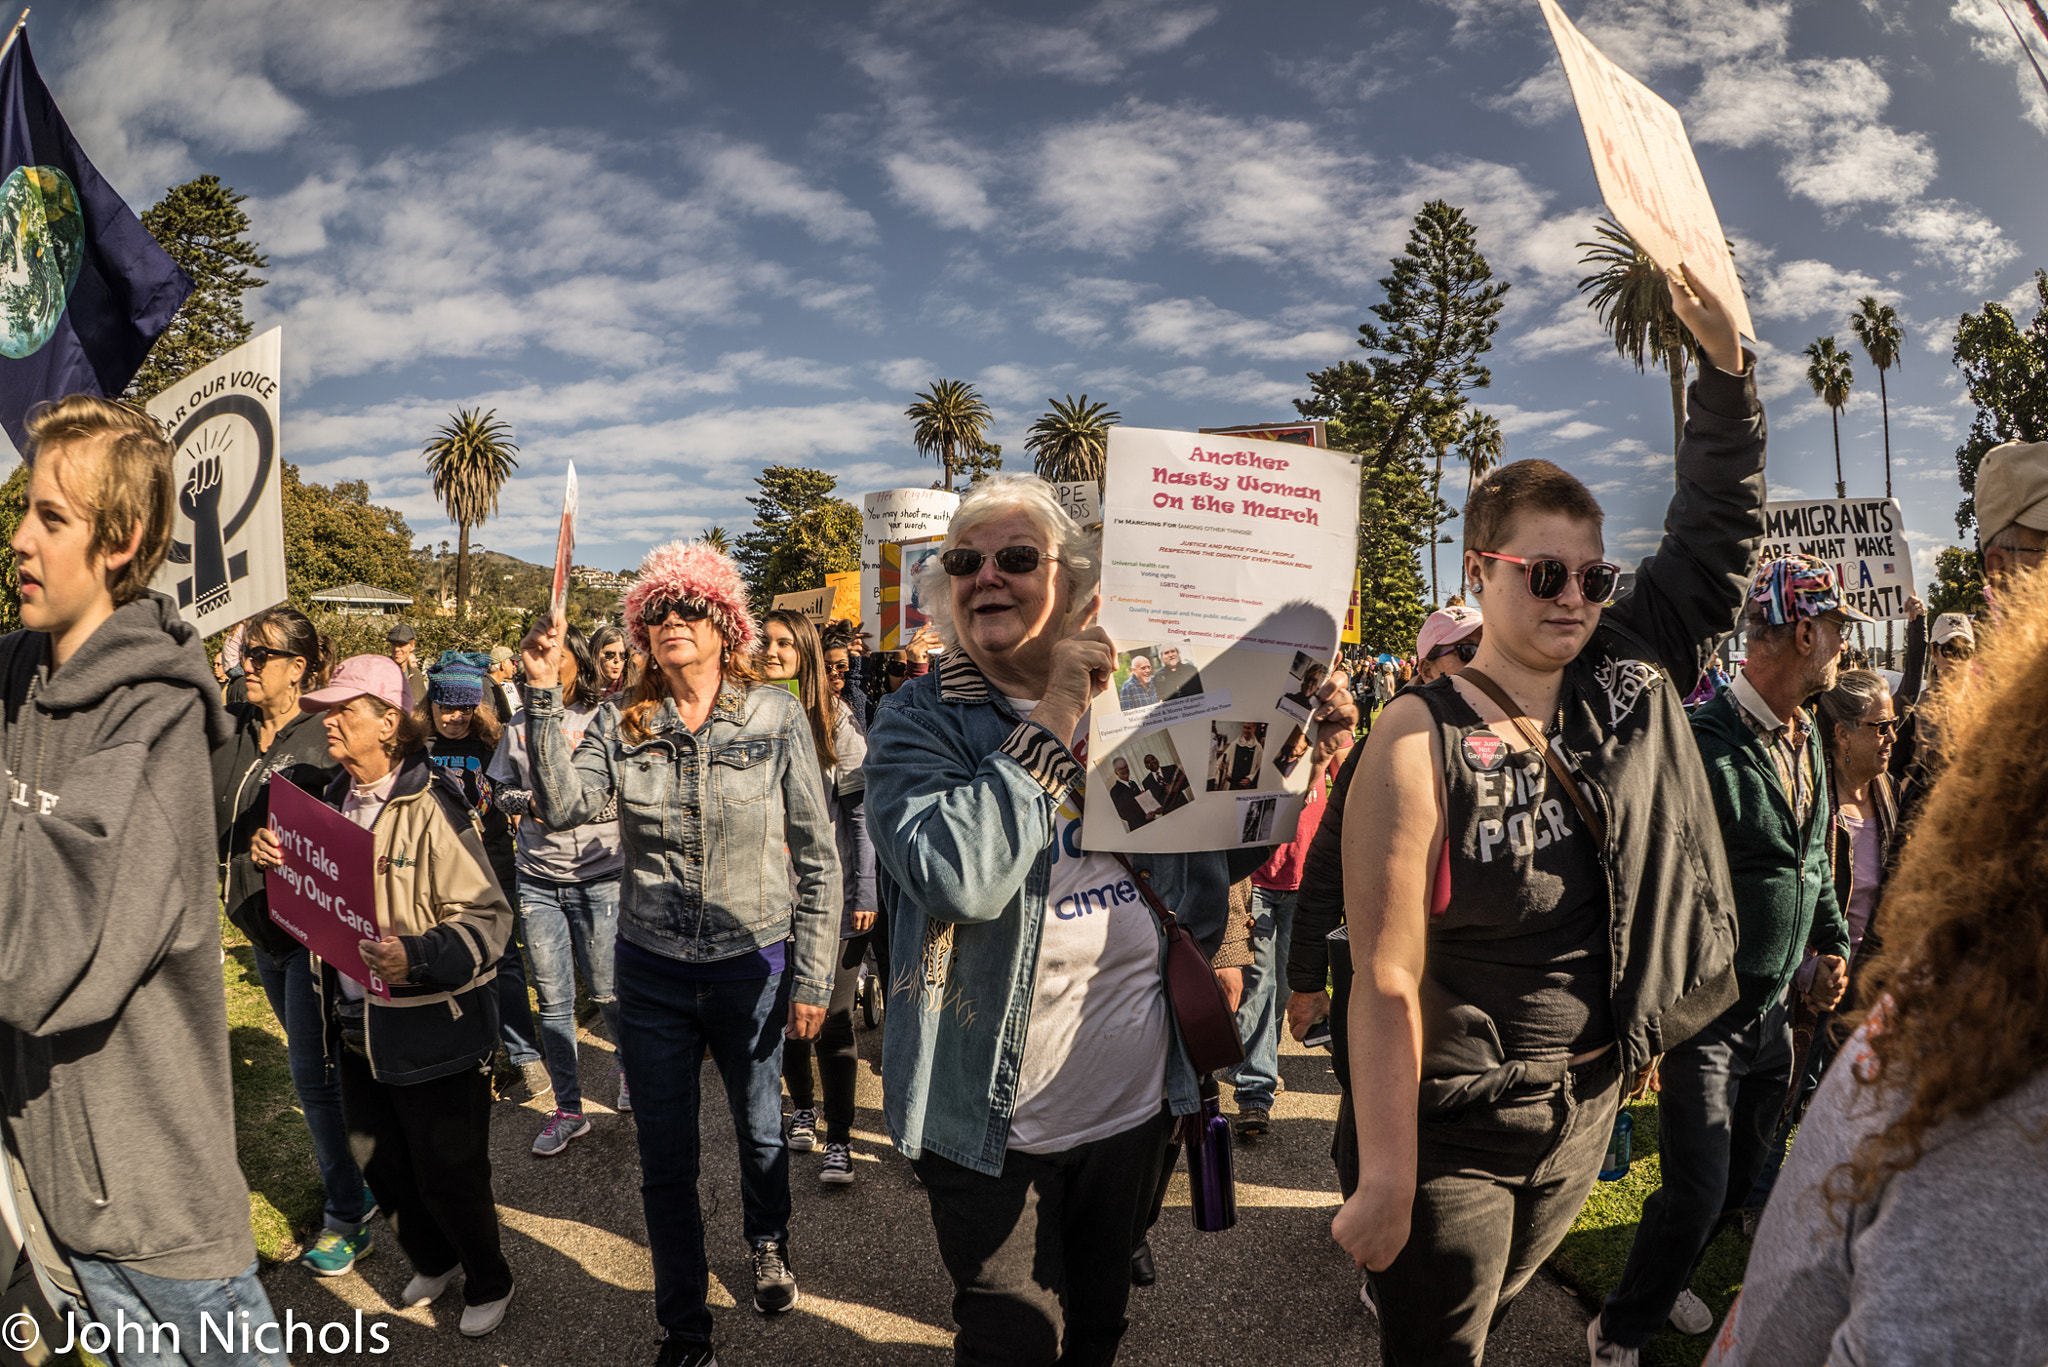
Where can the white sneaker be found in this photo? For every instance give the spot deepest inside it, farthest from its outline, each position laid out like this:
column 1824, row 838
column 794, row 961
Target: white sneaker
column 424, row 1290
column 1365, row 1298
column 1605, row 1354
column 803, row 1130
column 478, row 1320
column 838, row 1169
column 1690, row 1315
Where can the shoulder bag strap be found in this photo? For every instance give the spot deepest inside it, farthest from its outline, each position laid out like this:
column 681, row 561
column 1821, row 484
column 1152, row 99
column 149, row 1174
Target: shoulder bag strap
column 1537, row 739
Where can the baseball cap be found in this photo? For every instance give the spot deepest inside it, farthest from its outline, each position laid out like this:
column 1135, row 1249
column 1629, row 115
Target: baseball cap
column 1951, row 626
column 374, row 676
column 1793, row 588
column 400, row 634
column 1445, row 626
column 2012, row 487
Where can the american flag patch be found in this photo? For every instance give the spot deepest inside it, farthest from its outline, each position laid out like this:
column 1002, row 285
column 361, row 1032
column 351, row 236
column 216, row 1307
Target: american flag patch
column 1890, row 568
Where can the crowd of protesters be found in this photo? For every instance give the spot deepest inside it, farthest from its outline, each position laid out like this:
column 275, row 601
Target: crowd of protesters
column 1574, row 859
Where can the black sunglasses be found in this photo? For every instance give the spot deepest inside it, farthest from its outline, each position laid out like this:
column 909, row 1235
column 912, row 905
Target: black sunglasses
column 1010, row 560
column 1547, row 577
column 1888, row 727
column 1464, row 650
column 260, row 656
column 686, row 609
column 898, row 669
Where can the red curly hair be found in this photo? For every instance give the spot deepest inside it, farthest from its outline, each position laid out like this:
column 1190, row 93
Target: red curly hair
column 1962, row 1015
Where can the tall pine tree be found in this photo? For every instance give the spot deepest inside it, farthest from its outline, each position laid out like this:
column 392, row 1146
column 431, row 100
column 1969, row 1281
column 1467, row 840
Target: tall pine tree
column 801, row 533
column 1438, row 317
column 202, row 226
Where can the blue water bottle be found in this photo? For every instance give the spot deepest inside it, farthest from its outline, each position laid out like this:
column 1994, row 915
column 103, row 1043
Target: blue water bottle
column 1615, row 1166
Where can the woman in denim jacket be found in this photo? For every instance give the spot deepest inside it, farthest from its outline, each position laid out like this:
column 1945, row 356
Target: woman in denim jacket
column 719, row 948
column 1030, row 1047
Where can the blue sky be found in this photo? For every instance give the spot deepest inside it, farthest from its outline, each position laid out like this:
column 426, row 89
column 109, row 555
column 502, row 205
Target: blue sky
column 678, row 242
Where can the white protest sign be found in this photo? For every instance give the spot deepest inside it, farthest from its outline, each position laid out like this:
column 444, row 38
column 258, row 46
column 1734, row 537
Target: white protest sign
column 895, row 516
column 1864, row 539
column 1226, row 569
column 227, row 535
column 1647, row 172
column 565, row 549
column 1080, row 500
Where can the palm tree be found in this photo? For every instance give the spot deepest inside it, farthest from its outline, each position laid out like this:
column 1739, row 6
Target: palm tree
column 1632, row 295
column 716, row 538
column 1071, row 442
column 1877, row 328
column 1829, row 373
column 1476, row 437
column 469, row 458
column 950, row 419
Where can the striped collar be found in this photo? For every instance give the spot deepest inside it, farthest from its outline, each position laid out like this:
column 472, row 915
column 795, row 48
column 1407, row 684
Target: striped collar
column 961, row 680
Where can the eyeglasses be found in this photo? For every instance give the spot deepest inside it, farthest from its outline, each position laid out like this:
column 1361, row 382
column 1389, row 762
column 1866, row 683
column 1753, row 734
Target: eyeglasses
column 660, row 610
column 260, row 656
column 1464, row 650
column 1010, row 560
column 1547, row 578
column 898, row 669
column 1888, row 727
column 1955, row 650
column 611, row 654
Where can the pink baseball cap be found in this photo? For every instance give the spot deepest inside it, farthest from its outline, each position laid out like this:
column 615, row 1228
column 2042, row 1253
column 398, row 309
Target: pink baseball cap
column 1444, row 626
column 375, row 676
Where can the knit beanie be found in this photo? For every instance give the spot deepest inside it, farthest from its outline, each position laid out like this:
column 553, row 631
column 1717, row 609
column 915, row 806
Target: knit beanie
column 457, row 678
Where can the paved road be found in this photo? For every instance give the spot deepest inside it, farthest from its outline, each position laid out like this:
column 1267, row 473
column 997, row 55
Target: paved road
column 1274, row 1289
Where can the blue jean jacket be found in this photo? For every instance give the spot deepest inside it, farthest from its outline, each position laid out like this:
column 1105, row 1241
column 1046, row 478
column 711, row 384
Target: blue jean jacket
column 704, row 818
column 962, row 806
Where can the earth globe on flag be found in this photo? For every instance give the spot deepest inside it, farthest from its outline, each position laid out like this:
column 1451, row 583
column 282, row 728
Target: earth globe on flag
column 42, row 242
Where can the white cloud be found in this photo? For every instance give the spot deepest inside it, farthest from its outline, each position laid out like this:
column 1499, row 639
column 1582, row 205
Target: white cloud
column 1573, row 431
column 1267, row 396
column 748, row 177
column 1800, row 289
column 1196, row 327
column 1094, row 46
column 1514, row 421
column 1536, row 100
column 1991, row 35
column 949, row 194
column 1572, row 327
column 147, row 81
column 1969, row 244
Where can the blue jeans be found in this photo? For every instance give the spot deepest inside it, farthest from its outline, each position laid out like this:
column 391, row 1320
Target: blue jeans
column 1723, row 1089
column 1262, row 1012
column 515, row 1016
column 130, row 1303
column 570, row 926
column 288, row 982
column 665, row 1028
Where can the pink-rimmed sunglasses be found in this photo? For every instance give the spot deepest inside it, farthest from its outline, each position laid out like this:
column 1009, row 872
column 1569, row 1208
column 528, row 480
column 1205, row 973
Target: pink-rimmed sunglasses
column 1547, row 577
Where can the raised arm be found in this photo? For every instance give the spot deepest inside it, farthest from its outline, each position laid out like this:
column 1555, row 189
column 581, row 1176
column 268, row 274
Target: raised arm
column 1393, row 827
column 958, row 835
column 1687, row 594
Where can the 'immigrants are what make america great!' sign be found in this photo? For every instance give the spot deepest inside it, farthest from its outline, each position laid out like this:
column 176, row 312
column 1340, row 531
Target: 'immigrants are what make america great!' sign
column 1863, row 538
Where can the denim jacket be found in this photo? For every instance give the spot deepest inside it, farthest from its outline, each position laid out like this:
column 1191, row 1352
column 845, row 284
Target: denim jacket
column 962, row 802
column 704, row 818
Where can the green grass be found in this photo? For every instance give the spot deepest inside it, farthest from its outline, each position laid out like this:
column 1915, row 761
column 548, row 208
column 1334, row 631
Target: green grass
column 1592, row 1256
column 285, row 1196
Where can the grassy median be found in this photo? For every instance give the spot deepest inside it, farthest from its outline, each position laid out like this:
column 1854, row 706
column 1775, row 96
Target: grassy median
column 1592, row 1256
column 285, row 1196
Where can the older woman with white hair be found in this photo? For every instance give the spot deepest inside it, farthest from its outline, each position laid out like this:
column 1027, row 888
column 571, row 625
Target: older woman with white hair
column 1031, row 1070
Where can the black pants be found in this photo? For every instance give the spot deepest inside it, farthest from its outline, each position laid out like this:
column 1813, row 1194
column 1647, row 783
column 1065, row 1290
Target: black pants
column 1040, row 1256
column 1497, row 1189
column 1723, row 1091
column 838, row 1063
column 425, row 1149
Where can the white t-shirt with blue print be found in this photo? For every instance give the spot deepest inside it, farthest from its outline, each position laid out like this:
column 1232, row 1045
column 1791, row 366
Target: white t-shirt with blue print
column 1095, row 1050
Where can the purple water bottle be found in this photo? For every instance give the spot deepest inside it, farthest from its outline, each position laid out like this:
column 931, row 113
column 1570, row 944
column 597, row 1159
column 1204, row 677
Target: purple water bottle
column 1211, row 1187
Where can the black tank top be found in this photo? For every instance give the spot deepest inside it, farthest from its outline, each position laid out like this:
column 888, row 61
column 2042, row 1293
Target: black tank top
column 1524, row 938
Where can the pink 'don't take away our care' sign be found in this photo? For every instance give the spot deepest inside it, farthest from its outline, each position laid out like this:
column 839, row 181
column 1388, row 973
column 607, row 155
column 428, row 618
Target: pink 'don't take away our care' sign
column 323, row 894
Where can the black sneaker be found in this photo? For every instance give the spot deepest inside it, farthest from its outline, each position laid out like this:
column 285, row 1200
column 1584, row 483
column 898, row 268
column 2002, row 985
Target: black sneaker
column 774, row 1283
column 677, row 1352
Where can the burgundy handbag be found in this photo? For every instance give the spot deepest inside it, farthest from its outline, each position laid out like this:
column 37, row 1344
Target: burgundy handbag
column 1208, row 1028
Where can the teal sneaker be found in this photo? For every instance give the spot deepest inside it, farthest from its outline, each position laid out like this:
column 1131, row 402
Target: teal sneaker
column 336, row 1253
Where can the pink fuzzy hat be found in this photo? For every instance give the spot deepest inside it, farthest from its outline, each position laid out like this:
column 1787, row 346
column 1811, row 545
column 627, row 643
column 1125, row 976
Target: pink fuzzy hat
column 691, row 569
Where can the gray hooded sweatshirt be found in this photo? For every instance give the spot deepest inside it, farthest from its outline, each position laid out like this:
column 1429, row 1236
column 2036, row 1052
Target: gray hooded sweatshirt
column 114, row 1090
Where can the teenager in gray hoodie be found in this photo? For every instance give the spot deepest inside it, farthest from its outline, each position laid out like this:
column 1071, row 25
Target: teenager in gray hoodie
column 115, row 1101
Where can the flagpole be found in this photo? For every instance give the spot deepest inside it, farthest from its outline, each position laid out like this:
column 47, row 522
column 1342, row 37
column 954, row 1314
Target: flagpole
column 12, row 33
